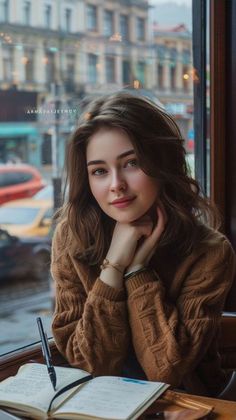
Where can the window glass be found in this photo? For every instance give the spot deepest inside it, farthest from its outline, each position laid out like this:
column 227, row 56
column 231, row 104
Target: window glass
column 48, row 15
column 124, row 27
column 4, row 10
column 91, row 17
column 140, row 29
column 54, row 57
column 14, row 178
column 108, row 22
column 27, row 12
column 68, row 20
column 17, row 215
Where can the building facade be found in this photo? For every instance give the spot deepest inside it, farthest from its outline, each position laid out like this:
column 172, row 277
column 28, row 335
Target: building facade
column 63, row 50
column 175, row 75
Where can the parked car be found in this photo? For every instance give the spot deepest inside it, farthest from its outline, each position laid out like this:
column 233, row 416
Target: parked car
column 45, row 193
column 19, row 181
column 24, row 257
column 27, row 217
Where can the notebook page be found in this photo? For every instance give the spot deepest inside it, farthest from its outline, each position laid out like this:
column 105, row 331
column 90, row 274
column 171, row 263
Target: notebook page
column 109, row 397
column 31, row 386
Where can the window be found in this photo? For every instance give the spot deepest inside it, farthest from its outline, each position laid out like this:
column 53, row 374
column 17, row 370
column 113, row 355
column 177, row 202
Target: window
column 70, row 73
column 173, row 77
column 91, row 17
column 110, row 69
column 124, row 27
column 108, row 22
column 160, row 80
column 48, row 15
column 161, row 53
column 140, row 29
column 50, row 66
column 126, row 72
column 173, row 61
column 186, row 56
column 27, row 13
column 4, row 10
column 29, row 65
column 37, row 119
column 68, row 20
column 7, row 55
column 92, row 68
column 14, row 178
column 140, row 73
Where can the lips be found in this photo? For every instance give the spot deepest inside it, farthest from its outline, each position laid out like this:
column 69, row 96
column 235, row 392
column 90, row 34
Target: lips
column 123, row 200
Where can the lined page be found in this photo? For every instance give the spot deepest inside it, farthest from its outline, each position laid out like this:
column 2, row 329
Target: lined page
column 110, row 397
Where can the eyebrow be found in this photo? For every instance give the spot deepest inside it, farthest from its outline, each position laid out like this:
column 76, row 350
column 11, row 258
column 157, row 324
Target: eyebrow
column 122, row 155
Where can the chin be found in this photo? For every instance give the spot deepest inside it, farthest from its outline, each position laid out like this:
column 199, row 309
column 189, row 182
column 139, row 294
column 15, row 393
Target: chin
column 127, row 218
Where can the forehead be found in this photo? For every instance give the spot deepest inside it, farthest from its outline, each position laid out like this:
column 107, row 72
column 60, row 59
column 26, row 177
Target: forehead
column 109, row 141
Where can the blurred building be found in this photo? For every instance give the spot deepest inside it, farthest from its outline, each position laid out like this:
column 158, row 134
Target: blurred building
column 62, row 50
column 174, row 74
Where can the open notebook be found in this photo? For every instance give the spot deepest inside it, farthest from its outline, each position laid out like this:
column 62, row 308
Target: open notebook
column 30, row 394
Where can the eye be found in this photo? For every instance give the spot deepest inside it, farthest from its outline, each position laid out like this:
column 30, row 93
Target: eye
column 132, row 162
column 98, row 171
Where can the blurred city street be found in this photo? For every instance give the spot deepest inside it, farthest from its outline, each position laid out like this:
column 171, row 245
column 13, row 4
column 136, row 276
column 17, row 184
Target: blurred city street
column 20, row 304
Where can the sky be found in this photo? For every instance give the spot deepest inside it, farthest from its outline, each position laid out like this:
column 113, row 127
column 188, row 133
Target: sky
column 179, row 2
column 171, row 12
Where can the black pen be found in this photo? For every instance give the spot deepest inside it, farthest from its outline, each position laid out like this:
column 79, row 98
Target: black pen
column 47, row 353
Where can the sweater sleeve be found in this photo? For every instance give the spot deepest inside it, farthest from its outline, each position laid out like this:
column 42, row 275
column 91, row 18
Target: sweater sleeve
column 90, row 330
column 171, row 337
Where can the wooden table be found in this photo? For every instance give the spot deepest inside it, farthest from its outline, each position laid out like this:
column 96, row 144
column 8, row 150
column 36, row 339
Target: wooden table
column 222, row 409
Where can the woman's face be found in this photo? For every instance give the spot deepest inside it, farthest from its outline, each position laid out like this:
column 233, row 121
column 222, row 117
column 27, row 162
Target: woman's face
column 122, row 190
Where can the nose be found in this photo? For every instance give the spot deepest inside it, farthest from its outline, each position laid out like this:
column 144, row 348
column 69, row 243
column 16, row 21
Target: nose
column 118, row 183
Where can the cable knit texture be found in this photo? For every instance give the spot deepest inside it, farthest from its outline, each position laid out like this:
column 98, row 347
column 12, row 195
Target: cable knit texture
column 170, row 312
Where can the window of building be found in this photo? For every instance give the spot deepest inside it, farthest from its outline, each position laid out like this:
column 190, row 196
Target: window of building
column 110, row 69
column 173, row 77
column 92, row 68
column 91, row 17
column 186, row 78
column 27, row 13
column 161, row 53
column 50, row 67
column 140, row 73
column 108, row 22
column 124, row 27
column 70, row 73
column 140, row 29
column 4, row 10
column 160, row 74
column 186, row 56
column 29, row 65
column 48, row 15
column 68, row 15
column 7, row 55
column 126, row 76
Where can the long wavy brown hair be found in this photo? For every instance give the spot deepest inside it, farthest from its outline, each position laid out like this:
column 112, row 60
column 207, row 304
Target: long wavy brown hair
column 160, row 151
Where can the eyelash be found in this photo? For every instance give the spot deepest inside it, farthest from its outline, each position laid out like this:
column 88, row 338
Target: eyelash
column 94, row 172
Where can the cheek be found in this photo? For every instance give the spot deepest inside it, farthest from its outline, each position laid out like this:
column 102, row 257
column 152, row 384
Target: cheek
column 97, row 189
column 148, row 186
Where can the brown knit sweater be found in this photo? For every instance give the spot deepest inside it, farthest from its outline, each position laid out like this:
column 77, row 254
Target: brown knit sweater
column 169, row 314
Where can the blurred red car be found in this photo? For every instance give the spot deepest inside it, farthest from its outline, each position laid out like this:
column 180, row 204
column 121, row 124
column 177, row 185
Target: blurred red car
column 18, row 181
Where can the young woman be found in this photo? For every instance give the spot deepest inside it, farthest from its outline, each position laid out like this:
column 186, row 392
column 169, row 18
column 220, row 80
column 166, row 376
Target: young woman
column 140, row 277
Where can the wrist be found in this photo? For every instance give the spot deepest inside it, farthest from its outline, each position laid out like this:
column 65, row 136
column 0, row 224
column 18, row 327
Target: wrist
column 109, row 263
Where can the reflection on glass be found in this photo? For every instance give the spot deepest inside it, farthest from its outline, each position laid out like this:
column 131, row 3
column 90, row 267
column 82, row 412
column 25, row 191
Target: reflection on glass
column 53, row 60
column 17, row 215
